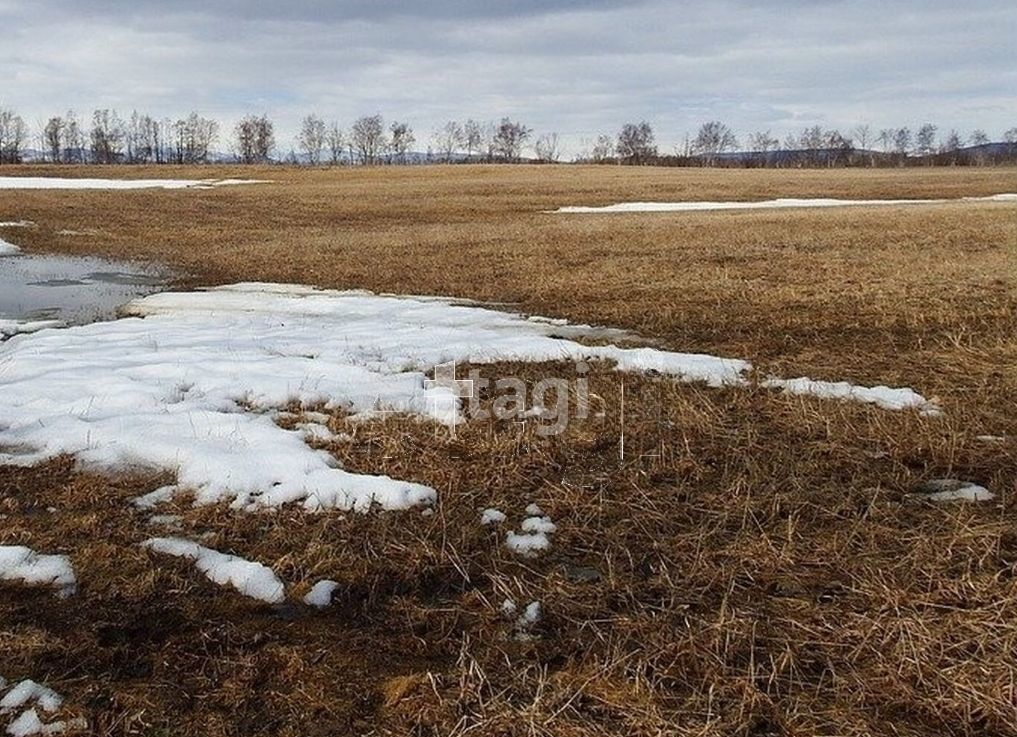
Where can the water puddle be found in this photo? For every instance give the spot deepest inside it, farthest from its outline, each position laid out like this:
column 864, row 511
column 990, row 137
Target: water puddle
column 71, row 289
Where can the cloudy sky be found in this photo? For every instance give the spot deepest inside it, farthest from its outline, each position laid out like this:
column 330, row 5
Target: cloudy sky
column 579, row 68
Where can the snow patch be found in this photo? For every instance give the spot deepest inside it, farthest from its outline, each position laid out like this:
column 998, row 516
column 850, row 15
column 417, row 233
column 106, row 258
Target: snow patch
column 17, row 224
column 248, row 577
column 28, row 722
column 9, row 328
column 950, row 490
column 882, row 396
column 8, row 249
column 777, row 204
column 492, row 516
column 195, row 387
column 320, row 595
column 18, row 563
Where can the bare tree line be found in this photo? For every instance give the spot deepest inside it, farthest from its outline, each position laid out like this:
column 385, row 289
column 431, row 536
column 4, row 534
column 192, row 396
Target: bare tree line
column 109, row 138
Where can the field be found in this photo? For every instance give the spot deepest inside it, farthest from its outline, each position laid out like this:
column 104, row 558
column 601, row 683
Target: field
column 750, row 563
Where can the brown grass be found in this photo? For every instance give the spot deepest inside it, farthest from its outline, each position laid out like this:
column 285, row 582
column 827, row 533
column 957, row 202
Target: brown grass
column 763, row 569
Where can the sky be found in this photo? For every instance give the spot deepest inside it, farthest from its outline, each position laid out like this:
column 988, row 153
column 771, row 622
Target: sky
column 577, row 68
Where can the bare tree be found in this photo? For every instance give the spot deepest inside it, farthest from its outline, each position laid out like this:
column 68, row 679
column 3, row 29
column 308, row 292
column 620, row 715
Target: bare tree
column 73, row 139
column 255, row 138
column 902, row 141
column 473, row 137
column 508, row 139
column 13, row 134
column 714, row 138
column 311, row 138
column 636, row 143
column 335, row 140
column 603, row 149
column 885, row 139
column 53, row 137
column 401, row 140
column 1010, row 136
column 863, row 136
column 812, row 138
column 448, row 139
column 953, row 142
column 925, row 140
column 548, row 148
column 762, row 142
column 979, row 138
column 107, row 137
column 367, row 137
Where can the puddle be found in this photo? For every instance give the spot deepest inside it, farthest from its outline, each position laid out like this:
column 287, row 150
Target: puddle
column 72, row 289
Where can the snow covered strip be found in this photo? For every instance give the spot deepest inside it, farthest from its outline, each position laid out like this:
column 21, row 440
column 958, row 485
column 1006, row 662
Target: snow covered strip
column 194, row 387
column 8, row 249
column 777, row 204
column 249, row 578
column 72, row 183
column 18, row 563
column 17, row 327
column 882, row 396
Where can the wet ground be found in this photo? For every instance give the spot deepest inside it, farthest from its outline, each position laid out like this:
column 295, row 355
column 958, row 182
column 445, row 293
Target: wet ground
column 72, row 289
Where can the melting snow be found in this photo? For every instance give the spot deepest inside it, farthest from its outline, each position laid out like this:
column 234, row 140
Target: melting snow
column 492, row 516
column 8, row 249
column 69, row 183
column 320, row 595
column 195, row 386
column 249, row 578
column 767, row 204
column 950, row 490
column 28, row 722
column 16, row 327
column 18, row 563
column 882, row 396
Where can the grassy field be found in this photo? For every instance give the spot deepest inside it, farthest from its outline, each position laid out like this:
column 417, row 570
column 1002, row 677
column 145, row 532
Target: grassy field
column 760, row 566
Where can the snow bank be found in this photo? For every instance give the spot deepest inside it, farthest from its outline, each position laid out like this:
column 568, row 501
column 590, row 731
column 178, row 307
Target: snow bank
column 69, row 183
column 777, row 204
column 18, row 563
column 249, row 578
column 8, row 249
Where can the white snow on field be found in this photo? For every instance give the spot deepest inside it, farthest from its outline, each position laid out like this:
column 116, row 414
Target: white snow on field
column 17, row 224
column 320, row 595
column 195, row 386
column 8, row 249
column 492, row 516
column 16, row 327
column 28, row 722
column 71, row 183
column 18, row 563
column 882, row 396
column 951, row 490
column 777, row 204
column 248, row 577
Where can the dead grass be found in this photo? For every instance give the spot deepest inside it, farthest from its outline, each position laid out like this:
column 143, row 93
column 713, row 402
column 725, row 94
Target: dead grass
column 762, row 567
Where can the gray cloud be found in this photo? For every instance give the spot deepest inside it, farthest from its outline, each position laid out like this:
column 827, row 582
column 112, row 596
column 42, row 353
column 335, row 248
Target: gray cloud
column 580, row 68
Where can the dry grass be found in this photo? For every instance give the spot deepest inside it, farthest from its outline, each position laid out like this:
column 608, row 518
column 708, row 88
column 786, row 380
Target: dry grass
column 763, row 570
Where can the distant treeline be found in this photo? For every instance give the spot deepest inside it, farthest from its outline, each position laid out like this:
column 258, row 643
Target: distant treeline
column 110, row 138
